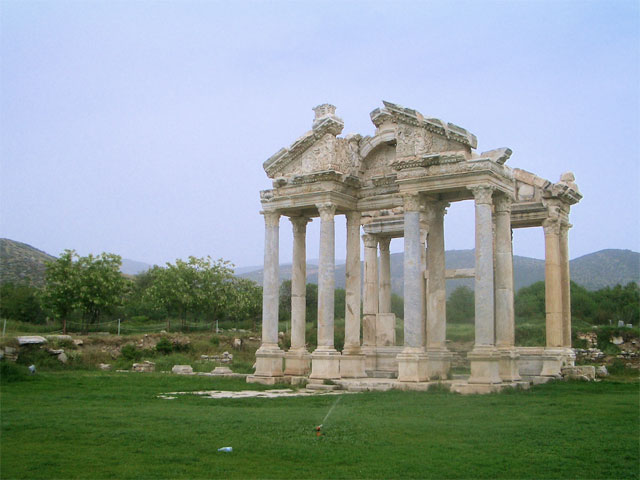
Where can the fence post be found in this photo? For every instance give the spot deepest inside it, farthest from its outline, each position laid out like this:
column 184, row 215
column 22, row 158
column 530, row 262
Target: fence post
column 4, row 327
column 216, row 325
column 118, row 327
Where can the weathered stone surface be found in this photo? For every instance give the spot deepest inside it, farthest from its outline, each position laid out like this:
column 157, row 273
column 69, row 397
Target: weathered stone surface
column 237, row 343
column 220, row 371
column 31, row 340
column 182, row 370
column 583, row 372
column 145, row 366
column 62, row 357
column 601, row 371
column 60, row 338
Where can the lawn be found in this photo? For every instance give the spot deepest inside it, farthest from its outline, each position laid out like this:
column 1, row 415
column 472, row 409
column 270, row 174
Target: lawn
column 81, row 424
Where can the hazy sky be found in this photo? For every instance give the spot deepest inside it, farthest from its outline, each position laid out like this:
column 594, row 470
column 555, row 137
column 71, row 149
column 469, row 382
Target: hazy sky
column 140, row 127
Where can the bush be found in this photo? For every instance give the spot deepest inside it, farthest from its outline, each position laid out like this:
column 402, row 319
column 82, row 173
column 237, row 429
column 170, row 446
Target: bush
column 11, row 372
column 130, row 352
column 164, row 346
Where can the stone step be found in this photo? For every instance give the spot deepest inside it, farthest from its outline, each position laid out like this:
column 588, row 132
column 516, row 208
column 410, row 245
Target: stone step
column 383, row 374
column 322, row 386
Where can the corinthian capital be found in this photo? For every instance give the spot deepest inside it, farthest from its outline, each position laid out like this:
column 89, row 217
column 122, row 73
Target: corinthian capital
column 482, row 194
column 384, row 243
column 271, row 218
column 299, row 224
column 412, row 202
column 370, row 241
column 502, row 203
column 551, row 226
column 327, row 210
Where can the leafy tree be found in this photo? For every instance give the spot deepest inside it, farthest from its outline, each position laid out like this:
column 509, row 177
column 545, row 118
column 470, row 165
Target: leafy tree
column 101, row 285
column 21, row 302
column 461, row 305
column 397, row 305
column 62, row 286
column 247, row 301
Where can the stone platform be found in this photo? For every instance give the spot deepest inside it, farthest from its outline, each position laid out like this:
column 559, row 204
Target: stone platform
column 457, row 385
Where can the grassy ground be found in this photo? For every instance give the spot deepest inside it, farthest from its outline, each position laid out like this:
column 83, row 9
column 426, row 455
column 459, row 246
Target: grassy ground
column 81, row 424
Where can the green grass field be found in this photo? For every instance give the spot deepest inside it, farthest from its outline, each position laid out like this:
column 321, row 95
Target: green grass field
column 81, row 424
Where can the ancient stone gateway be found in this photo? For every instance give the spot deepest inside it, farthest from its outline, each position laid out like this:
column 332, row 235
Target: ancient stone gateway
column 399, row 183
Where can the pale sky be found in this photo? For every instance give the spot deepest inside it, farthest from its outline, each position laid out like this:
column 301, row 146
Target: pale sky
column 140, row 127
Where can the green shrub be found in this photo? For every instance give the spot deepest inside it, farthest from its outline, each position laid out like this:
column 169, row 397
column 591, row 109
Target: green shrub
column 164, row 346
column 12, row 372
column 130, row 352
column 215, row 340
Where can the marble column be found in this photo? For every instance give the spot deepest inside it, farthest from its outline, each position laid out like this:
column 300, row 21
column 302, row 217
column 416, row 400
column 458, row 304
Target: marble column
column 325, row 360
column 269, row 356
column 385, row 320
column 352, row 364
column 505, row 318
column 553, row 283
column 370, row 303
column 297, row 360
column 438, row 356
column 384, row 302
column 484, row 357
column 412, row 359
column 566, row 284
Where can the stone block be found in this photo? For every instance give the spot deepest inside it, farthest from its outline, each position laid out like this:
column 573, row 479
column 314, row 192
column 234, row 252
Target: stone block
column 297, row 363
column 31, row 340
column 352, row 366
column 144, row 367
column 438, row 364
column 412, row 367
column 385, row 330
column 325, row 364
column 221, row 371
column 182, row 370
column 105, row 366
column 484, row 366
column 582, row 372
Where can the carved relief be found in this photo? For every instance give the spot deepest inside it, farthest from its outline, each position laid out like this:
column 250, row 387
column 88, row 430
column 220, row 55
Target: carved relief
column 482, row 194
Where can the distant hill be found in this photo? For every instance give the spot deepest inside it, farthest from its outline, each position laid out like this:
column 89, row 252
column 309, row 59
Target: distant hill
column 592, row 271
column 22, row 263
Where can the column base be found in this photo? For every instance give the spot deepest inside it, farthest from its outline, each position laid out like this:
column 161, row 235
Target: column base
column 438, row 364
column 297, row 362
column 370, row 355
column 385, row 329
column 412, row 365
column 352, row 364
column 484, row 365
column 508, row 365
column 325, row 363
column 552, row 361
column 269, row 361
column 568, row 357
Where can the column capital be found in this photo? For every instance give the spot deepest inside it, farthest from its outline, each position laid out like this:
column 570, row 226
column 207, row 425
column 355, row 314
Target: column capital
column 384, row 243
column 435, row 208
column 353, row 217
column 502, row 203
column 412, row 202
column 370, row 241
column 564, row 227
column 551, row 226
column 271, row 218
column 482, row 193
column 327, row 210
column 299, row 224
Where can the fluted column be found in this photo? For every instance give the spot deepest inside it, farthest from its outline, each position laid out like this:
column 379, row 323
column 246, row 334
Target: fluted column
column 269, row 356
column 412, row 361
column 384, row 305
column 484, row 356
column 325, row 361
column 352, row 361
column 370, row 304
column 553, row 283
column 566, row 284
column 505, row 319
column 436, row 290
column 439, row 358
column 297, row 359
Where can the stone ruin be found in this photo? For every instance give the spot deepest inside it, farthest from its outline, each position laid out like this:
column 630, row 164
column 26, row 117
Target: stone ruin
column 399, row 183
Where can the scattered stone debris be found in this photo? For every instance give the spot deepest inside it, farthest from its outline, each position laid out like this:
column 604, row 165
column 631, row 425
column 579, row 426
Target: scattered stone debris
column 105, row 366
column 589, row 354
column 601, row 371
column 237, row 343
column 78, row 342
column 182, row 370
column 221, row 371
column 226, row 357
column 145, row 366
column 591, row 338
column 617, row 340
column 581, row 372
column 60, row 338
column 286, row 392
column 31, row 340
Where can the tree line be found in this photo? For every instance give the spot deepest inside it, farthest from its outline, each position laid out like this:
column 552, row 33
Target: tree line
column 92, row 289
column 606, row 306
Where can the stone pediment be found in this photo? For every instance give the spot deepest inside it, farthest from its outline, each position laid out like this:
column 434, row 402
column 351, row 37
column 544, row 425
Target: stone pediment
column 318, row 150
